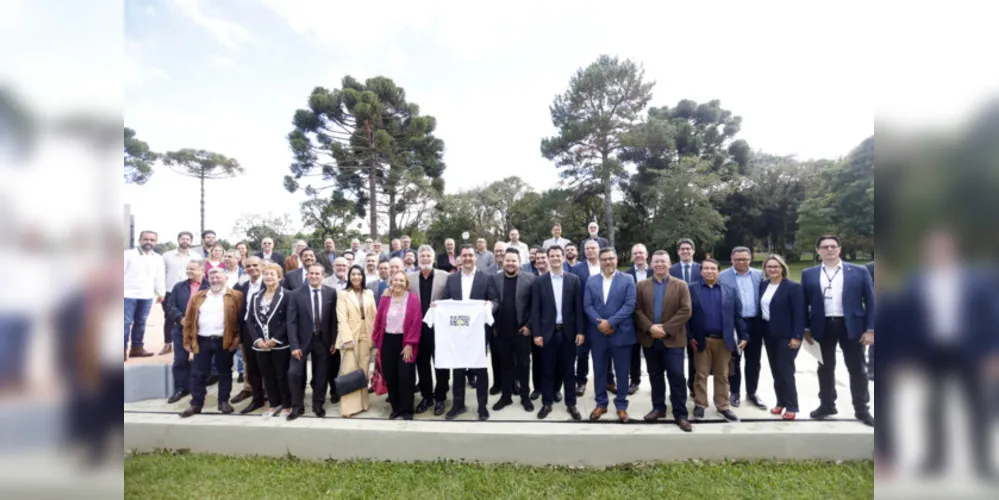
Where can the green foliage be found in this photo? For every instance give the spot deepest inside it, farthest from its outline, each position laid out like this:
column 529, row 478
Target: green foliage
column 253, row 228
column 593, row 117
column 202, row 165
column 373, row 147
column 138, row 159
column 328, row 218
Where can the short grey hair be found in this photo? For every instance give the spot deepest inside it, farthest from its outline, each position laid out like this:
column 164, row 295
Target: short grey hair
column 741, row 249
column 425, row 248
column 216, row 270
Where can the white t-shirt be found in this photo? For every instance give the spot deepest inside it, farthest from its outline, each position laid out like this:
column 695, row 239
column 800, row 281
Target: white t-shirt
column 459, row 332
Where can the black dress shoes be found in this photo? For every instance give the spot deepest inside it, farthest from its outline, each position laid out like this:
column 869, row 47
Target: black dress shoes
column 294, row 414
column 632, row 389
column 580, row 389
column 866, row 418
column 574, row 413
column 502, row 403
column 320, row 412
column 545, row 411
column 823, row 412
column 225, row 408
column 494, row 390
column 728, row 415
column 177, row 396
column 408, row 416
column 756, row 401
column 535, row 395
column 252, row 407
column 191, row 411
column 455, row 411
column 483, row 415
column 654, row 415
column 423, row 406
column 439, row 408
column 242, row 396
column 528, row 405
column 394, row 415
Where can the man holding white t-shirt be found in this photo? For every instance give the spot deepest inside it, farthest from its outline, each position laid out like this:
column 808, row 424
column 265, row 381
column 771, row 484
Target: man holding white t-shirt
column 470, row 284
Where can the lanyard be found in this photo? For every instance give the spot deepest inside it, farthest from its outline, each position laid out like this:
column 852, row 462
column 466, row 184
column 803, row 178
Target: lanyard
column 829, row 285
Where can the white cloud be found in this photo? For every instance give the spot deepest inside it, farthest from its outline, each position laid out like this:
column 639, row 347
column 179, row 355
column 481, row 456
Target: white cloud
column 223, row 63
column 138, row 72
column 226, row 32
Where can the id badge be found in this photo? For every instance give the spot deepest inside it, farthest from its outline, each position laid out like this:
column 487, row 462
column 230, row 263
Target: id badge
column 828, row 293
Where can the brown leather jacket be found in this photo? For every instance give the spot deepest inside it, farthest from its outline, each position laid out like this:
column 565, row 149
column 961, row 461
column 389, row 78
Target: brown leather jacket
column 232, row 301
column 676, row 311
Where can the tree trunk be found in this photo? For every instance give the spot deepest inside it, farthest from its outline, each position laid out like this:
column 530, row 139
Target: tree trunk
column 202, row 202
column 373, row 201
column 393, row 226
column 608, row 202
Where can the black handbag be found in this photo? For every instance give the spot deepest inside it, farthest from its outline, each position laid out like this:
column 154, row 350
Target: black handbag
column 347, row 383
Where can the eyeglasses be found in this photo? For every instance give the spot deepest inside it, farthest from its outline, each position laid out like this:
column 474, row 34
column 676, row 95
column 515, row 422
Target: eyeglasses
column 828, row 247
column 774, row 267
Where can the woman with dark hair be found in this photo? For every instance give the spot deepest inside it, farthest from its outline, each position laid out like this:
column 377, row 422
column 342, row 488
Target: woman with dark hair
column 396, row 338
column 268, row 328
column 782, row 314
column 355, row 314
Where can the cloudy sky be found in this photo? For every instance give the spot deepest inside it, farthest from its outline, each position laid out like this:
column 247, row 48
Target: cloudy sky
column 227, row 75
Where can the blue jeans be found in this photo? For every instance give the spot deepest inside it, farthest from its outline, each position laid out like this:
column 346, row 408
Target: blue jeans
column 239, row 361
column 181, row 361
column 602, row 356
column 14, row 331
column 136, row 312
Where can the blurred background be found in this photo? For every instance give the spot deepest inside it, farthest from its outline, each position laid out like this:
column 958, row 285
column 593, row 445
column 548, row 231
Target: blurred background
column 937, row 238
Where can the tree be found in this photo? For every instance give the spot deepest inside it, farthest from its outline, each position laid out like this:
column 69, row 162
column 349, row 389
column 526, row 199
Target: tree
column 372, row 144
column 202, row 165
column 138, row 159
column 253, row 228
column 601, row 105
column 682, row 206
column 329, row 218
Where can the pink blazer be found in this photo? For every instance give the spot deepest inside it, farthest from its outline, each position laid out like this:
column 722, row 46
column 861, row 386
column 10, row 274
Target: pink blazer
column 413, row 325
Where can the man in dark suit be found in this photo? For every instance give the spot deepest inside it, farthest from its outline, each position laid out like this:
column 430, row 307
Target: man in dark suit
column 639, row 271
column 558, row 325
column 512, row 314
column 295, row 278
column 662, row 310
column 447, row 261
column 870, row 349
column 589, row 266
column 312, row 327
column 840, row 300
column 690, row 272
column 593, row 234
column 609, row 303
column 470, row 284
column 327, row 256
column 268, row 252
column 716, row 331
column 253, row 268
column 176, row 305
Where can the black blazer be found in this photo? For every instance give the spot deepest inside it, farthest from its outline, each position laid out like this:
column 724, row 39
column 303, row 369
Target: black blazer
column 276, row 257
column 293, row 279
column 277, row 326
column 300, row 324
column 243, row 288
column 787, row 309
column 181, row 293
column 543, row 315
column 525, row 283
column 444, row 264
column 676, row 271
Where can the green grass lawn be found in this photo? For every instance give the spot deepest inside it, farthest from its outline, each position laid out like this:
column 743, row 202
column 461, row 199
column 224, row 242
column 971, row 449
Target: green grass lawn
column 163, row 475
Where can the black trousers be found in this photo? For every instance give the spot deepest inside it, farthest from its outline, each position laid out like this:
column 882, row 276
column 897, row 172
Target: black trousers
column 753, row 355
column 558, row 365
column 252, row 370
column 515, row 360
column 691, row 372
column 782, row 369
column 424, row 357
column 399, row 375
column 536, row 371
column 853, row 356
column 494, row 359
column 666, row 363
column 946, row 364
column 481, row 386
column 320, row 356
column 332, row 372
column 274, row 371
column 168, row 322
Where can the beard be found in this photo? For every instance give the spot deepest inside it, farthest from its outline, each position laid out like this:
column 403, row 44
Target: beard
column 217, row 288
column 147, row 247
column 426, row 267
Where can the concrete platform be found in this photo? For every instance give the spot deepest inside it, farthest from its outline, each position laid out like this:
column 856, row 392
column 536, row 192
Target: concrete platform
column 511, row 435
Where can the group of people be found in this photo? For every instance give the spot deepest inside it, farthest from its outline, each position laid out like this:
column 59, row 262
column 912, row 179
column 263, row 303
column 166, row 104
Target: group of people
column 553, row 312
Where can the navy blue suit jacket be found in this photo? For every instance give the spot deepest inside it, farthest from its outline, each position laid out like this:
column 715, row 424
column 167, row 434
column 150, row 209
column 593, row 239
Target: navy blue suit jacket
column 733, row 325
column 676, row 271
column 618, row 311
column 978, row 317
column 787, row 310
column 858, row 300
column 181, row 293
column 543, row 314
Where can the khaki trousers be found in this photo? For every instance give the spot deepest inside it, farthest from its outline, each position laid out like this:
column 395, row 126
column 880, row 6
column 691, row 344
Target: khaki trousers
column 714, row 359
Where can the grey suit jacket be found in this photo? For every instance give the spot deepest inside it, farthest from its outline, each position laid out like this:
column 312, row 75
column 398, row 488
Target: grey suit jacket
column 440, row 283
column 525, row 282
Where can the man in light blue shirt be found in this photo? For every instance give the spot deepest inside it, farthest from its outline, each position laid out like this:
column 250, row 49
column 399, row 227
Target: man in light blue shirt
column 746, row 281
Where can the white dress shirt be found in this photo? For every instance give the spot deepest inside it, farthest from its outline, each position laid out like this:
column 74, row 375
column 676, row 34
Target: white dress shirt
column 466, row 284
column 211, row 315
column 557, row 281
column 834, row 297
column 942, row 294
column 144, row 275
column 594, row 268
column 175, row 264
column 312, row 302
column 607, row 285
column 768, row 295
column 251, row 290
column 522, row 248
column 642, row 274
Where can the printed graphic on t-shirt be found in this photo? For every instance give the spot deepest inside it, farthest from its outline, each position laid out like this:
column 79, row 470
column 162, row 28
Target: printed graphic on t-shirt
column 460, row 333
